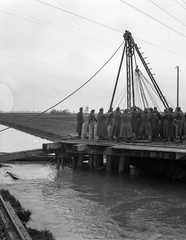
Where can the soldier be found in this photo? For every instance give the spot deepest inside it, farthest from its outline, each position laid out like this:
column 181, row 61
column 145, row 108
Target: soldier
column 91, row 121
column 101, row 125
column 117, row 123
column 91, row 117
column 126, row 132
column 154, row 124
column 179, row 121
column 168, row 132
column 184, row 127
column 80, row 122
column 109, row 123
column 136, row 120
column 145, row 130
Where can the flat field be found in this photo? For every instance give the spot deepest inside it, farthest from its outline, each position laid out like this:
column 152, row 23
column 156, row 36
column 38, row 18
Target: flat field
column 47, row 126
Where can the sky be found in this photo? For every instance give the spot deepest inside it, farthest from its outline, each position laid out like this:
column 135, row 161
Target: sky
column 50, row 48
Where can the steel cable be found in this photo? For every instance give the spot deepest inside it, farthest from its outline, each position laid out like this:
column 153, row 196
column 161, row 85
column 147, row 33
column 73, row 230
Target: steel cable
column 39, row 114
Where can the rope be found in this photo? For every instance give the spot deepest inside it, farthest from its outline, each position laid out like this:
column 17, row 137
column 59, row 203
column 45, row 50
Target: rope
column 148, row 90
column 137, row 92
column 39, row 114
column 124, row 94
column 120, row 97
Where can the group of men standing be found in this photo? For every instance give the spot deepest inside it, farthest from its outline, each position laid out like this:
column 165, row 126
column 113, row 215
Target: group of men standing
column 135, row 123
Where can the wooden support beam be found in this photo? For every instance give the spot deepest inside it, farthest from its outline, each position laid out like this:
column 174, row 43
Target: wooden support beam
column 115, row 162
column 60, row 159
column 121, row 164
column 109, row 154
column 108, row 162
column 18, row 222
column 21, row 155
column 75, row 161
column 91, row 161
column 127, row 165
column 95, row 132
column 124, row 164
column 84, row 131
column 98, row 161
column 80, row 160
column 52, row 146
column 79, row 147
column 91, row 132
column 152, row 148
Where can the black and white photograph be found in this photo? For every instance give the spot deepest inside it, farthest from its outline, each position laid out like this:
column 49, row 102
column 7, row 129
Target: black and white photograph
column 92, row 119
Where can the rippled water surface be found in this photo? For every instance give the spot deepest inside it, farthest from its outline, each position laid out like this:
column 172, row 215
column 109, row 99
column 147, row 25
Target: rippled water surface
column 84, row 204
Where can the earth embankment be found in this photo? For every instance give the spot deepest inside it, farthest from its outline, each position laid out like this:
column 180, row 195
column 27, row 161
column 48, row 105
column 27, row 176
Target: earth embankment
column 45, row 126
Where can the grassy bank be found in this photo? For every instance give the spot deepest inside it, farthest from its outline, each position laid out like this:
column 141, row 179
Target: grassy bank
column 25, row 216
column 51, row 127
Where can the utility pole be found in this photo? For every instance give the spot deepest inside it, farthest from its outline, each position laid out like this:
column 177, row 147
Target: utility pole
column 177, row 68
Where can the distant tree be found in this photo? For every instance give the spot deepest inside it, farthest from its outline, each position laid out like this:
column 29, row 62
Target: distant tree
column 66, row 112
column 53, row 112
column 59, row 112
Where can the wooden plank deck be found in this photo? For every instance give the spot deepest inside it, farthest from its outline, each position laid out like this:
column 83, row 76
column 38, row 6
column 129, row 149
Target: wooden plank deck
column 172, row 151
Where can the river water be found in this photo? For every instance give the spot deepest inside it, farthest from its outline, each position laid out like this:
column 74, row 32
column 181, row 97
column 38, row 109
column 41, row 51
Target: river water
column 12, row 140
column 85, row 204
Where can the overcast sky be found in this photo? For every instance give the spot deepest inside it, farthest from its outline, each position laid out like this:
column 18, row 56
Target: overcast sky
column 49, row 48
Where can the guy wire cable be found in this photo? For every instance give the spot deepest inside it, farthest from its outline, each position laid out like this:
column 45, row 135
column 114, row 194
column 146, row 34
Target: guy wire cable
column 39, row 114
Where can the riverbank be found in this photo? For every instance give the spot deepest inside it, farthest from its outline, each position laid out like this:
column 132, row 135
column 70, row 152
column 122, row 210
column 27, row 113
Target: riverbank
column 46, row 126
column 25, row 216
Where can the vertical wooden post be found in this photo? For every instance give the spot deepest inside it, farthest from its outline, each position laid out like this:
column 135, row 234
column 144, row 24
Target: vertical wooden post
column 84, row 131
column 75, row 161
column 98, row 161
column 127, row 165
column 62, row 163
column 80, row 159
column 115, row 162
column 121, row 164
column 108, row 162
column 91, row 161
column 91, row 131
column 58, row 163
column 59, row 157
column 95, row 132
column 124, row 164
column 109, row 156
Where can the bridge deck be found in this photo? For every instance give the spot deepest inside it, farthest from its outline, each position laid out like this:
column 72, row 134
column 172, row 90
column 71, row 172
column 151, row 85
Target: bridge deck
column 173, row 151
column 164, row 150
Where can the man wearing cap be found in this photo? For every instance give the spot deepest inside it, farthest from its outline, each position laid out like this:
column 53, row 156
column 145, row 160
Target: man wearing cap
column 80, row 122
